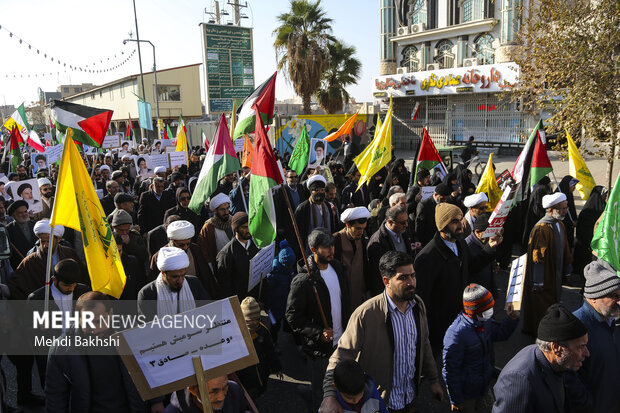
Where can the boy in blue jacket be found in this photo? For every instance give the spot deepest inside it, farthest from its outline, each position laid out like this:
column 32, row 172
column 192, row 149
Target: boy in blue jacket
column 467, row 365
column 356, row 391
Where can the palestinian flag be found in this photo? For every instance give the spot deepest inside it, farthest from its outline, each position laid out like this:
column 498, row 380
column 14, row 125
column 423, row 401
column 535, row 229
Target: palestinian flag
column 221, row 160
column 89, row 124
column 299, row 157
column 16, row 154
column 523, row 165
column 428, row 157
column 264, row 98
column 265, row 175
column 168, row 133
column 541, row 165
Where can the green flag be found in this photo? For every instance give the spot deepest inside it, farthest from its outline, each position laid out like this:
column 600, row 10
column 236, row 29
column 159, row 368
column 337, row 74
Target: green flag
column 299, row 158
column 606, row 241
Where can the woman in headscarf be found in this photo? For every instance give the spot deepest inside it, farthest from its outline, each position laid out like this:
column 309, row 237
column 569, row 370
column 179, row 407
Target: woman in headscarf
column 567, row 186
column 535, row 211
column 467, row 187
column 590, row 213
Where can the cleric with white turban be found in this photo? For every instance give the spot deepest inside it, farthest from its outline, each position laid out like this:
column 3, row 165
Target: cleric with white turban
column 316, row 181
column 171, row 259
column 218, row 200
column 476, row 205
column 549, row 201
column 173, row 292
column 42, row 230
column 353, row 214
column 159, row 170
column 180, row 230
column 43, row 227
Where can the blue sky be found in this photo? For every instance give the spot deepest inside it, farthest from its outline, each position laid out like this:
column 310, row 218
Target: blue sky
column 84, row 32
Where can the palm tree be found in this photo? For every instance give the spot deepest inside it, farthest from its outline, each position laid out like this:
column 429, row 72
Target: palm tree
column 343, row 69
column 301, row 47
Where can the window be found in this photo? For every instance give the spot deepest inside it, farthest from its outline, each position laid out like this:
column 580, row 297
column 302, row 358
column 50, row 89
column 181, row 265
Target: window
column 65, row 89
column 77, row 89
column 472, row 10
column 418, row 12
column 510, row 20
column 410, row 59
column 122, row 90
column 169, row 93
column 112, row 93
column 444, row 55
column 483, row 49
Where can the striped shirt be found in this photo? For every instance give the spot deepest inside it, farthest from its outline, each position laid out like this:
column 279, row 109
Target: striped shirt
column 405, row 336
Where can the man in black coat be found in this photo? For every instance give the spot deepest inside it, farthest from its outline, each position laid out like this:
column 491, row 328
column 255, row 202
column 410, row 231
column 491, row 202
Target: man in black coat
column 107, row 202
column 79, row 382
column 414, row 193
column 391, row 236
column 351, row 197
column 157, row 237
column 327, row 278
column 153, row 205
column 183, row 197
column 482, row 253
column 425, row 227
column 442, row 269
column 314, row 212
column 20, row 232
column 233, row 261
column 296, row 195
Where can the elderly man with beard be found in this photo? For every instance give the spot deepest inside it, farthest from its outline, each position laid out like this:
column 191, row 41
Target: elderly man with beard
column 78, row 382
column 180, row 234
column 45, row 186
column 225, row 396
column 548, row 260
column 20, row 232
column 443, row 273
column 476, row 205
column 107, row 202
column 388, row 336
column 217, row 231
column 593, row 388
column 314, row 212
column 533, row 381
column 172, row 292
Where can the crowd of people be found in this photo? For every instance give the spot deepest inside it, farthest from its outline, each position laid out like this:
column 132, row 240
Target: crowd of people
column 380, row 287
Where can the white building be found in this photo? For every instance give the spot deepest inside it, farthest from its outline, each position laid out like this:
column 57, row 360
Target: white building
column 451, row 56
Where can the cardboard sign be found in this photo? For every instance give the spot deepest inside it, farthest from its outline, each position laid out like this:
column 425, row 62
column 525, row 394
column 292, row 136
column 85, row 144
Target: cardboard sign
column 159, row 358
column 111, row 141
column 260, row 265
column 53, row 153
column 427, row 191
column 503, row 177
column 177, row 158
column 514, row 293
column 168, row 142
column 160, row 160
column 239, row 144
column 170, row 149
column 500, row 213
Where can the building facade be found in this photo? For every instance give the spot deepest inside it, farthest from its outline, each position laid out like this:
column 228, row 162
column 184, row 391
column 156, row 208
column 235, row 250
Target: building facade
column 451, row 57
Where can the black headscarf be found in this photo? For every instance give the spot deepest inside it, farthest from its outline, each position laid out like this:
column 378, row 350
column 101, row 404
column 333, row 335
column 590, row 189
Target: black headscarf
column 565, row 188
column 595, row 202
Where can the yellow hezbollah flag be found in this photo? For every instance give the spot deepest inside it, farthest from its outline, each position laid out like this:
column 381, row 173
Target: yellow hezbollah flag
column 488, row 185
column 379, row 151
column 77, row 206
column 182, row 140
column 577, row 168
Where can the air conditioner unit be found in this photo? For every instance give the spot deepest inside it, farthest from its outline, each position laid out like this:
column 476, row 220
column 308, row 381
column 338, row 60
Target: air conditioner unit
column 417, row 28
column 470, row 62
column 432, row 66
column 402, row 31
column 402, row 70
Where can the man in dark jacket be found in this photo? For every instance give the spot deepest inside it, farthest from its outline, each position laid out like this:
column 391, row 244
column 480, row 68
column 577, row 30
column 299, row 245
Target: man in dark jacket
column 296, row 195
column 414, row 193
column 183, row 211
column 425, row 214
column 533, row 381
column 78, row 382
column 351, row 196
column 314, row 212
column 482, row 253
column 107, row 202
column 391, row 236
column 233, row 261
column 157, row 237
column 320, row 321
column 153, row 205
column 20, row 232
column 443, row 273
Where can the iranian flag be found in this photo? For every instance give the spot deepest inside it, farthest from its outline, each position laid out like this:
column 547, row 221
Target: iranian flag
column 264, row 98
column 221, row 160
column 89, row 124
column 541, row 165
column 428, row 157
column 20, row 120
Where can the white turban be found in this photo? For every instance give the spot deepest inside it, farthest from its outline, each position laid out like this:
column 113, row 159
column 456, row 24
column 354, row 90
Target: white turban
column 106, row 167
column 125, row 157
column 315, row 178
column 159, row 170
column 475, row 199
column 550, row 200
column 351, row 214
column 218, row 200
column 43, row 227
column 180, row 230
column 171, row 259
column 43, row 182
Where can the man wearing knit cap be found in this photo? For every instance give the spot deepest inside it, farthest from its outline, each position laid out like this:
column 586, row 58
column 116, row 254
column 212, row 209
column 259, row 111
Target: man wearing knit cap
column 548, row 260
column 233, row 261
column 350, row 249
column 217, row 231
column 594, row 387
column 425, row 226
column 533, row 381
column 476, row 205
column 443, row 272
column 180, row 234
column 124, row 202
column 153, row 205
column 47, row 200
column 313, row 212
column 172, row 292
column 30, row 274
column 133, row 242
column 467, row 362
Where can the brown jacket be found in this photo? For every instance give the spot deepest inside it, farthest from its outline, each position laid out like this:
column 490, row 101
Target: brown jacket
column 369, row 334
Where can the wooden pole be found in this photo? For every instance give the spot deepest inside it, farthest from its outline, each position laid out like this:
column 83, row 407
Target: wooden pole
column 202, row 385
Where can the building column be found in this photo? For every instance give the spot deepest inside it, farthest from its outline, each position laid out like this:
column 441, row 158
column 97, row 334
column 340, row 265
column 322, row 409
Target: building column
column 461, row 52
column 388, row 30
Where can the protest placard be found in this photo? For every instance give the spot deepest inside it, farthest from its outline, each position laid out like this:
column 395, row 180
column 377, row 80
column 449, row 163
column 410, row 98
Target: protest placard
column 159, row 160
column 514, row 293
column 427, row 191
column 159, row 357
column 260, row 265
column 178, row 158
column 503, row 177
column 239, row 144
column 99, row 193
column 168, row 142
column 170, row 149
column 28, row 191
column 111, row 141
column 53, row 153
column 500, row 213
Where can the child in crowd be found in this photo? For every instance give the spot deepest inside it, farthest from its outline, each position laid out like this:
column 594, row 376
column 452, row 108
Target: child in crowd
column 356, row 391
